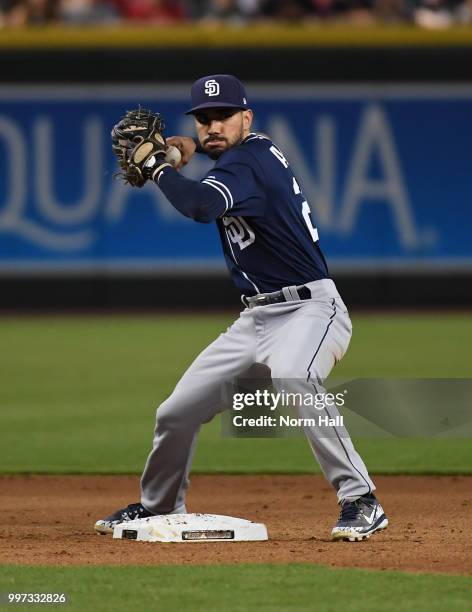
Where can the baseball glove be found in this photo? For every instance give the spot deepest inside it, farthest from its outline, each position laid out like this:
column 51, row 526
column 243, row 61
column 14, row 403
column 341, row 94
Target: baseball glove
column 139, row 145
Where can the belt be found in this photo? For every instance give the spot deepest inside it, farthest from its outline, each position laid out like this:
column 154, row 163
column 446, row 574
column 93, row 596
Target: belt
column 287, row 294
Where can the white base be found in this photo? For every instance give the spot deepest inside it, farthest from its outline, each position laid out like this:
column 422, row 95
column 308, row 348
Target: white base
column 191, row 528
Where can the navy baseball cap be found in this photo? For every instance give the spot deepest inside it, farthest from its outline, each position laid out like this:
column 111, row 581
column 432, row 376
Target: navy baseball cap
column 217, row 91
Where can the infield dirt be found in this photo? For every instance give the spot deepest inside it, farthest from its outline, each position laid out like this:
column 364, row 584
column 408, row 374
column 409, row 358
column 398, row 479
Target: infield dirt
column 49, row 520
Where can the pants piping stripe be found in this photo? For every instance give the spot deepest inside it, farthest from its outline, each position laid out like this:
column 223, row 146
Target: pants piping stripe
column 325, row 409
column 321, row 341
column 347, row 454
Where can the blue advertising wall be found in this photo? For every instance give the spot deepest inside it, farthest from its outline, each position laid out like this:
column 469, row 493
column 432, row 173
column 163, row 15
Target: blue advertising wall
column 386, row 170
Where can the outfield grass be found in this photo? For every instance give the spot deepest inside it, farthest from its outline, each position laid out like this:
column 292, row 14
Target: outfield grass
column 217, row 588
column 79, row 394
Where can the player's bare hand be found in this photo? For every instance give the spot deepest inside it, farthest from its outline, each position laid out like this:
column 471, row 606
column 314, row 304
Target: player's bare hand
column 186, row 147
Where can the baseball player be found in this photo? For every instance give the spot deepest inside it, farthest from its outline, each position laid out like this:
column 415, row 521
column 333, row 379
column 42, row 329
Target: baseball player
column 294, row 320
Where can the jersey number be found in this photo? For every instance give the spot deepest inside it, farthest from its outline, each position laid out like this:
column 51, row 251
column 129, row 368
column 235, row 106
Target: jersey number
column 306, row 211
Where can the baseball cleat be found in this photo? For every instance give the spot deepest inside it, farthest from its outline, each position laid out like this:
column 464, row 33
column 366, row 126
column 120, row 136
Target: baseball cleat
column 130, row 513
column 359, row 519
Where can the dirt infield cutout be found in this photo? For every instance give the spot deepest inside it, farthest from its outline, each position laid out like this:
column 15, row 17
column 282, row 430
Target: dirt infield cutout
column 49, row 520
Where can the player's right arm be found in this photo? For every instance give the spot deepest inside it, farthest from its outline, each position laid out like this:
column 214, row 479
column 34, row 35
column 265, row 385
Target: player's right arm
column 231, row 188
column 193, row 199
column 187, row 147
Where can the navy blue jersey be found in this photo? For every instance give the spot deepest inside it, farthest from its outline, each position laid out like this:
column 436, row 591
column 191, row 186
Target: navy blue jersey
column 266, row 228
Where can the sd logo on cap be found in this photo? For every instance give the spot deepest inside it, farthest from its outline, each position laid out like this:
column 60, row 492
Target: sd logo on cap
column 217, row 91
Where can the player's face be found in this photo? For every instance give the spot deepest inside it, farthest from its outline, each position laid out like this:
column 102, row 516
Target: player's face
column 219, row 129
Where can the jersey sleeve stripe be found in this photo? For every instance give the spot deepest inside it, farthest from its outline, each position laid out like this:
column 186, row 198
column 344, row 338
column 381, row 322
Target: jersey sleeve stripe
column 220, row 190
column 212, row 180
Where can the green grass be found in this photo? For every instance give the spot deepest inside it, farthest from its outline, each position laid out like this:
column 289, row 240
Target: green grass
column 79, row 394
column 218, row 588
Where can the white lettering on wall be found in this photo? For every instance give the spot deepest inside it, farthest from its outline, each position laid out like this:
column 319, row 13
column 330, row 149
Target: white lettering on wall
column 89, row 167
column 66, row 222
column 375, row 138
column 15, row 148
column 13, row 218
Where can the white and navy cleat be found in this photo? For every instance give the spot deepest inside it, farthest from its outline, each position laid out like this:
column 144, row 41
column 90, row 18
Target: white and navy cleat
column 130, row 513
column 359, row 519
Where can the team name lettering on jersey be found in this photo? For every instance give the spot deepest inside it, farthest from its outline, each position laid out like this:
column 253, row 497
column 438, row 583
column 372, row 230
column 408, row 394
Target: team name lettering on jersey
column 279, row 155
column 239, row 231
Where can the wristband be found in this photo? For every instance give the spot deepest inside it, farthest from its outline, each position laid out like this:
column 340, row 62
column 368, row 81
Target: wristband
column 156, row 171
